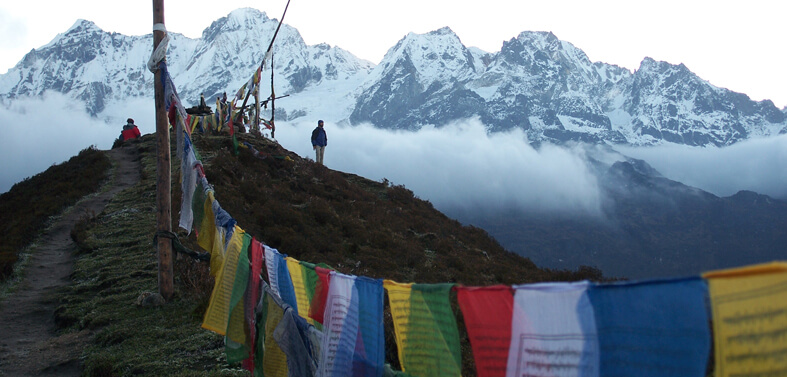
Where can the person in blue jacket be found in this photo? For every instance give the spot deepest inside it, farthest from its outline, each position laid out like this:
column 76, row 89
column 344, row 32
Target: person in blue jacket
column 319, row 141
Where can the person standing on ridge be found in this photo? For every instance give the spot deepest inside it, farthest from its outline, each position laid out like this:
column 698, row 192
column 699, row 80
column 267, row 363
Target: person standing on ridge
column 319, row 141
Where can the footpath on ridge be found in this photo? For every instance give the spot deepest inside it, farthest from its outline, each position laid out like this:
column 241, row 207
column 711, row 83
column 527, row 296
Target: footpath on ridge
column 29, row 343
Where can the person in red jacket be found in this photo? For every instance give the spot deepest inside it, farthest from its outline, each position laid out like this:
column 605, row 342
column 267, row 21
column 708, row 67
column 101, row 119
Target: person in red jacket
column 130, row 131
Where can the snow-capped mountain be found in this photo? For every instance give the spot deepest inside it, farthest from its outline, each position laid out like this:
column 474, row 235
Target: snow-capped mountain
column 552, row 90
column 536, row 82
column 85, row 62
column 419, row 82
column 97, row 67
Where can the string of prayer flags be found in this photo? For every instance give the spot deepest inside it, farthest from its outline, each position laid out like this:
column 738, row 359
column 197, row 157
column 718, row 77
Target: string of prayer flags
column 217, row 315
column 749, row 307
column 427, row 337
column 487, row 313
column 353, row 340
column 653, row 328
column 174, row 105
column 553, row 332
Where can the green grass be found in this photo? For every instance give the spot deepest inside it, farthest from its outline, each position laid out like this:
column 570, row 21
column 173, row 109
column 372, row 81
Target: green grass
column 116, row 263
column 30, row 205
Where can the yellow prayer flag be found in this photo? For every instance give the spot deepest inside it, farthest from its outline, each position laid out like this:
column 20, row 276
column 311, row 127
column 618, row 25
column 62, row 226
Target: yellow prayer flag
column 749, row 306
column 218, row 312
column 194, row 121
column 296, row 274
column 274, row 363
column 399, row 299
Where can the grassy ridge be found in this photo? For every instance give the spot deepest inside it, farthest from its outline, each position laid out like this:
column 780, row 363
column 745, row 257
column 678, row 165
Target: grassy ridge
column 29, row 204
column 358, row 226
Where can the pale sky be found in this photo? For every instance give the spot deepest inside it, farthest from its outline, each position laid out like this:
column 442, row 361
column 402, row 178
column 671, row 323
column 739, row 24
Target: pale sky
column 734, row 44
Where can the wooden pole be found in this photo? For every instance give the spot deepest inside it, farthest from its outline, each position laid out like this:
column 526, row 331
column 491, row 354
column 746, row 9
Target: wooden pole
column 163, row 169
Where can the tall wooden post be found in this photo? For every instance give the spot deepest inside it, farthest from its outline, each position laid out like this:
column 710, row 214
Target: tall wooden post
column 163, row 169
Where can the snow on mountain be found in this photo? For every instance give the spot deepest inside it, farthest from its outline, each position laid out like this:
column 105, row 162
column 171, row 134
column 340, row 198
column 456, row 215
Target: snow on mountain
column 86, row 62
column 670, row 103
column 409, row 87
column 97, row 67
column 536, row 82
column 550, row 89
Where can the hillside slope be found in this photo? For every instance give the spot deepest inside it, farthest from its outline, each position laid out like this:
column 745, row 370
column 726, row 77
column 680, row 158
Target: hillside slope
column 312, row 213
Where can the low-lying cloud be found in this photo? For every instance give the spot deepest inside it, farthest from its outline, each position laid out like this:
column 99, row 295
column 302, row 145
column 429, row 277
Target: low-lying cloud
column 39, row 132
column 758, row 165
column 459, row 166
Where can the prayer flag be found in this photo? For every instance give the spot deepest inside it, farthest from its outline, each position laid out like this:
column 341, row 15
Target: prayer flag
column 198, row 203
column 353, row 341
column 749, row 308
column 553, row 332
column 252, row 298
column 237, row 343
column 425, row 326
column 271, row 264
column 279, row 276
column 274, row 361
column 304, row 281
column 487, row 313
column 209, row 237
column 188, row 184
column 286, row 289
column 652, row 328
column 317, row 310
column 217, row 315
column 299, row 287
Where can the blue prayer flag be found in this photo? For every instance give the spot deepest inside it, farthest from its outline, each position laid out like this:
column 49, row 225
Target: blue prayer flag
column 652, row 328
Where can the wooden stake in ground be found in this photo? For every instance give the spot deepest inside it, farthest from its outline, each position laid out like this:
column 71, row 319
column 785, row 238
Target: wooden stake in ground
column 163, row 168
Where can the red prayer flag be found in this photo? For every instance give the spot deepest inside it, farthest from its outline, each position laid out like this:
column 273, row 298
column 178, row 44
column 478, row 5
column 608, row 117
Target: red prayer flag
column 256, row 257
column 487, row 312
column 317, row 310
column 173, row 109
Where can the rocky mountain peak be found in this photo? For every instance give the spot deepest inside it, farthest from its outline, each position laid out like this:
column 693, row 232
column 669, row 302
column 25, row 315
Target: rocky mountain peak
column 435, row 56
column 82, row 25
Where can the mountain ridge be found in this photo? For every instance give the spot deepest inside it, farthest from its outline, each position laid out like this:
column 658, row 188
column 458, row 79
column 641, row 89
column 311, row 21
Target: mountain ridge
column 536, row 82
column 650, row 227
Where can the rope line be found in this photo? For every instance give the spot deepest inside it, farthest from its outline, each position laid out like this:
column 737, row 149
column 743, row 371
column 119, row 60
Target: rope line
column 177, row 246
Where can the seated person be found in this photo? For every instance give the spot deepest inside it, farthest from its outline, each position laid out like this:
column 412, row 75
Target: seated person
column 130, row 131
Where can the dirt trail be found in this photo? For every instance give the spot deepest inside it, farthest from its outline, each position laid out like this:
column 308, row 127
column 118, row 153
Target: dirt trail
column 29, row 344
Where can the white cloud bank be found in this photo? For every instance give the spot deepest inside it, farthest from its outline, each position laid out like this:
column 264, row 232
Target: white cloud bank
column 457, row 167
column 36, row 133
column 758, row 165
